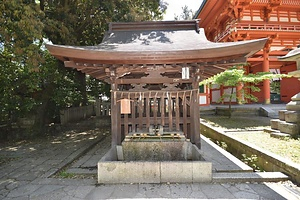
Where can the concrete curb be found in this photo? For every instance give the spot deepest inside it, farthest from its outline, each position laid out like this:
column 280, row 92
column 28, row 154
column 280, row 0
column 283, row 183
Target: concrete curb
column 249, row 177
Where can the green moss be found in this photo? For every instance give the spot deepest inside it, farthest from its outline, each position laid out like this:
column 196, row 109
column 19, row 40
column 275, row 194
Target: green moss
column 64, row 174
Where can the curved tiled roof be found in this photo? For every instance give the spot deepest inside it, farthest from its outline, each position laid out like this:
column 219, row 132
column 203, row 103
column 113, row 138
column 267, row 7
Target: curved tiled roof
column 161, row 44
column 155, row 43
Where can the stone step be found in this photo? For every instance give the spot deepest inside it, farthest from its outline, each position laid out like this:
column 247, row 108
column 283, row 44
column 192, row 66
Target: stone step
column 275, row 123
column 249, row 177
column 290, row 128
column 270, row 130
column 282, row 114
column 268, row 112
column 278, row 134
column 292, row 116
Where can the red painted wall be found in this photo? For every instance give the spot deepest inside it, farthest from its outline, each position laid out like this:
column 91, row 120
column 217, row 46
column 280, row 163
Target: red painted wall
column 288, row 86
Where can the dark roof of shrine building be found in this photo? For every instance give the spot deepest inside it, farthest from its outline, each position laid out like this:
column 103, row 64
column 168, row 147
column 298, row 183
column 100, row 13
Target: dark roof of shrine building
column 157, row 42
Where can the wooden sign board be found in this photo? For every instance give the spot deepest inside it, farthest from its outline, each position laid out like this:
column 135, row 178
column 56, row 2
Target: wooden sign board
column 125, row 106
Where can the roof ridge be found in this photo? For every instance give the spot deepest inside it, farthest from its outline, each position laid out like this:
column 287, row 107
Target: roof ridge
column 154, row 25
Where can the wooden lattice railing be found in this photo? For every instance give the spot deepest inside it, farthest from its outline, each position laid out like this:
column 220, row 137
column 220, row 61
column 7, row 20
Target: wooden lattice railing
column 258, row 27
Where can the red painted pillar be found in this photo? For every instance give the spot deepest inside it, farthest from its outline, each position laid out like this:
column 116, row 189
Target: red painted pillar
column 239, row 87
column 266, row 83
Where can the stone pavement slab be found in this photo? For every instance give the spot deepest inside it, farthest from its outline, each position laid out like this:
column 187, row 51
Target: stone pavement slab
column 222, row 161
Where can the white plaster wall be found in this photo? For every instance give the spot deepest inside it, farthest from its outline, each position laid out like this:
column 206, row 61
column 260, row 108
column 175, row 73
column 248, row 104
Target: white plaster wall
column 215, row 95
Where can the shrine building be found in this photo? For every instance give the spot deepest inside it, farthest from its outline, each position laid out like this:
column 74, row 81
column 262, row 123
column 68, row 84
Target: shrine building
column 154, row 69
column 242, row 20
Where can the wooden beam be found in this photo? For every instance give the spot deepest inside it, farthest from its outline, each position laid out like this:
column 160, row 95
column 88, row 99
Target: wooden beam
column 152, row 80
column 70, row 64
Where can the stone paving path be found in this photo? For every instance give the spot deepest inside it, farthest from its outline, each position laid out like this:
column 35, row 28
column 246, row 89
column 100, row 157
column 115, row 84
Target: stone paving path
column 26, row 170
column 87, row 164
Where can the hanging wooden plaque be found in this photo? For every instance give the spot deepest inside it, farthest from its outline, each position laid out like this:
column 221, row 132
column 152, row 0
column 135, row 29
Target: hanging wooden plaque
column 185, row 73
column 125, row 106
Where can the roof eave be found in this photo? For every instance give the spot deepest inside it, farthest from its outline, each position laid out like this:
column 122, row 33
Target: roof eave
column 205, row 55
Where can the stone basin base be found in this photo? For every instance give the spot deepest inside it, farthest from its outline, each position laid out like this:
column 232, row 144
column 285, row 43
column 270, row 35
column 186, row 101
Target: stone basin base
column 112, row 170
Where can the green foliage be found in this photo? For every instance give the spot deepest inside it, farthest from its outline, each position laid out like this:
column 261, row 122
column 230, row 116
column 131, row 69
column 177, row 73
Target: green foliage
column 64, row 174
column 35, row 83
column 20, row 54
column 187, row 14
column 52, row 76
column 275, row 87
column 251, row 161
column 222, row 144
column 84, row 22
column 21, row 32
column 94, row 86
column 235, row 76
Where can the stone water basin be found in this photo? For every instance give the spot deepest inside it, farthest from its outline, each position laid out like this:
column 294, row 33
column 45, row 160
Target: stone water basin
column 144, row 161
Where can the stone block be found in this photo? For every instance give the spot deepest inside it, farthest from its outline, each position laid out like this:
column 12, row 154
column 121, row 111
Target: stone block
column 128, row 172
column 120, row 152
column 111, row 155
column 274, row 123
column 195, row 153
column 292, row 116
column 290, row 128
column 186, row 172
column 202, row 172
column 296, row 97
column 281, row 114
column 176, row 172
column 293, row 105
column 156, row 151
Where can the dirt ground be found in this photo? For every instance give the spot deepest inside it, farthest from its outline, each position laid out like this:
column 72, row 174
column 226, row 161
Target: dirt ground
column 238, row 122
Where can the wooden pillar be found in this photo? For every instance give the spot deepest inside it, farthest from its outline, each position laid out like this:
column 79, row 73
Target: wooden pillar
column 147, row 109
column 266, row 83
column 184, row 115
column 140, row 108
column 170, row 107
column 133, row 117
column 115, row 111
column 195, row 113
column 177, row 112
column 162, row 109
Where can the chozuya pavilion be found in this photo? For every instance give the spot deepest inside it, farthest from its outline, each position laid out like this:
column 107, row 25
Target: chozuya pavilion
column 154, row 69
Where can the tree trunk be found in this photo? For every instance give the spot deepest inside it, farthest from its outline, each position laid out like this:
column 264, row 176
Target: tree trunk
column 41, row 114
column 40, row 118
column 80, row 78
column 230, row 99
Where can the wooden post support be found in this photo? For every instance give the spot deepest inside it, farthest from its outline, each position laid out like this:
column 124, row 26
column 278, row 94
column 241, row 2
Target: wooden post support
column 266, row 83
column 195, row 115
column 114, row 116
